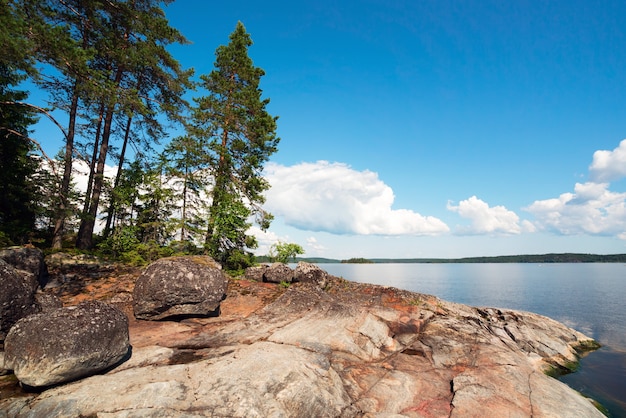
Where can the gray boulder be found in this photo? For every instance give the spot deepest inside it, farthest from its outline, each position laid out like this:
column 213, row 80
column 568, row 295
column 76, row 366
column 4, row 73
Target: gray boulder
column 179, row 286
column 67, row 344
column 17, row 298
column 278, row 273
column 256, row 272
column 310, row 273
column 29, row 263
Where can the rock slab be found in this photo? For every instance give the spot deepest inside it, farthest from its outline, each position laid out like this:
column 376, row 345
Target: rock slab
column 65, row 344
column 347, row 350
column 179, row 286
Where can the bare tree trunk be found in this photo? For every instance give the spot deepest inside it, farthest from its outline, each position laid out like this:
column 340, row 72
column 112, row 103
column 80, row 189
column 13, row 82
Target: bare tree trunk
column 92, row 169
column 118, row 175
column 183, row 234
column 59, row 223
column 84, row 241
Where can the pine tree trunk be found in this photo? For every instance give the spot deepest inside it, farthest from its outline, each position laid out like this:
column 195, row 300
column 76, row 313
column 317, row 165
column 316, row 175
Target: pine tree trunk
column 84, row 241
column 183, row 234
column 118, row 175
column 59, row 224
column 92, row 170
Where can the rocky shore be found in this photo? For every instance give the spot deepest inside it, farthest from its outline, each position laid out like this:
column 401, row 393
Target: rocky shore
column 318, row 348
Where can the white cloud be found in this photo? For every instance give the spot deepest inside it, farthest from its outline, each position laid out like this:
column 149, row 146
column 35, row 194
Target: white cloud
column 609, row 165
column 488, row 220
column 332, row 197
column 315, row 246
column 591, row 209
column 265, row 239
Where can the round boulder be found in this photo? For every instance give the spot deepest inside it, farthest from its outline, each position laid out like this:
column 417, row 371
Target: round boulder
column 310, row 273
column 179, row 286
column 66, row 344
column 278, row 273
column 17, row 298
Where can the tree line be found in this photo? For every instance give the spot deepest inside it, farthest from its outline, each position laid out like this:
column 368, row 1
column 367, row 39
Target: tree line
column 105, row 66
column 522, row 258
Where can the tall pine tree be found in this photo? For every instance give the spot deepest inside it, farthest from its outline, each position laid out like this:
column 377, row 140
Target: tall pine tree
column 18, row 194
column 241, row 136
column 144, row 79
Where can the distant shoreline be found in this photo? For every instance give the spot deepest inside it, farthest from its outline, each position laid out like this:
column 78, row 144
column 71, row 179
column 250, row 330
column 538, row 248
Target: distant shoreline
column 527, row 258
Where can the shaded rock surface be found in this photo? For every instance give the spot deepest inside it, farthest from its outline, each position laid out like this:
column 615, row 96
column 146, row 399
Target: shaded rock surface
column 66, row 343
column 348, row 350
column 256, row 272
column 17, row 298
column 278, row 273
column 179, row 286
column 29, row 262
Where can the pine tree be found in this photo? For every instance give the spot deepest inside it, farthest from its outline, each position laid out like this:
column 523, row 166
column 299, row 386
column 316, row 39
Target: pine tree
column 143, row 79
column 242, row 137
column 18, row 193
column 186, row 168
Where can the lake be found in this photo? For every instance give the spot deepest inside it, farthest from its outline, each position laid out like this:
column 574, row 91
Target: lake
column 588, row 297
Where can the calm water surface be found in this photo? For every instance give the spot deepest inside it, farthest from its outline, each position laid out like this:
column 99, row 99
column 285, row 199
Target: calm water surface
column 588, row 297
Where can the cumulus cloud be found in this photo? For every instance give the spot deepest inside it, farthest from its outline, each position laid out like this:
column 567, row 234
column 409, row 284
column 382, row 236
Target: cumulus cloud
column 488, row 220
column 335, row 198
column 265, row 239
column 608, row 165
column 314, row 245
column 591, row 209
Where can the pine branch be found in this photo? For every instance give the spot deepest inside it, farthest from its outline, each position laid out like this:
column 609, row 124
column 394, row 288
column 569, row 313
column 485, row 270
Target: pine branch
column 41, row 110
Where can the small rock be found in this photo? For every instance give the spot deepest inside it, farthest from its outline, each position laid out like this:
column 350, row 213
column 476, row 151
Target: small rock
column 179, row 286
column 278, row 273
column 310, row 273
column 256, row 272
column 66, row 344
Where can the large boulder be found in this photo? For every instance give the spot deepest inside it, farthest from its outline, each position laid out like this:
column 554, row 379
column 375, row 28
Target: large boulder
column 29, row 263
column 67, row 343
column 17, row 298
column 310, row 273
column 179, row 286
column 278, row 273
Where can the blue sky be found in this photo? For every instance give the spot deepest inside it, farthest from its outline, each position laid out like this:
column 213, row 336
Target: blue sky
column 436, row 128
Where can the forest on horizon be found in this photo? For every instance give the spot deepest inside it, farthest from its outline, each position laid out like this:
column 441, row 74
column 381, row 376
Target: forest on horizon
column 525, row 258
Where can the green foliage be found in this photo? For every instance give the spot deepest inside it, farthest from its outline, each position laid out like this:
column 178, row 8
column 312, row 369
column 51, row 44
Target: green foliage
column 16, row 51
column 19, row 194
column 237, row 261
column 123, row 240
column 107, row 67
column 124, row 245
column 186, row 163
column 282, row 252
